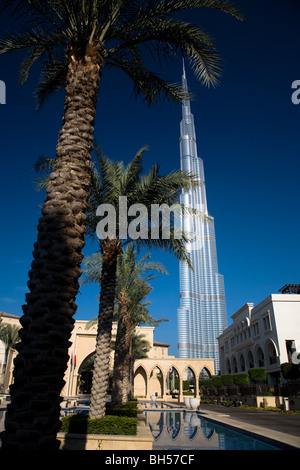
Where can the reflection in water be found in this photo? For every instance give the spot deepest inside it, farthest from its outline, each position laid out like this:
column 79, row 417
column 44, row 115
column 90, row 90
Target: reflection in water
column 189, row 430
column 173, row 424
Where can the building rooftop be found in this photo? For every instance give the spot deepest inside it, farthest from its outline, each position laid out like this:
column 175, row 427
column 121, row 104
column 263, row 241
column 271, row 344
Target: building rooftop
column 157, row 343
column 8, row 315
column 290, row 289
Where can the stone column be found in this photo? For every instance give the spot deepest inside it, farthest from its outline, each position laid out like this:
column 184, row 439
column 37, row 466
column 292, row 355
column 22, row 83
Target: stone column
column 180, row 394
column 196, row 386
column 147, row 386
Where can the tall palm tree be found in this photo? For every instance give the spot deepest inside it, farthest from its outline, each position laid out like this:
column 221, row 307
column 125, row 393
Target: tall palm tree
column 128, row 278
column 111, row 183
column 73, row 41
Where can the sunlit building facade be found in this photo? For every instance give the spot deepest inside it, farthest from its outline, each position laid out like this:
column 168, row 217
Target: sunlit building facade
column 202, row 312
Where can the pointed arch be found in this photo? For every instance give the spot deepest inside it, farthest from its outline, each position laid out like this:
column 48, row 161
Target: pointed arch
column 140, row 382
column 271, row 351
column 156, row 381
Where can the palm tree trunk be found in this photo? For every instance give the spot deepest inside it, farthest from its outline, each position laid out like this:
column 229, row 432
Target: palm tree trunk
column 110, row 251
column 32, row 419
column 121, row 378
column 131, row 378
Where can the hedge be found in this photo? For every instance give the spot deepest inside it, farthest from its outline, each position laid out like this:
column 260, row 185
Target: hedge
column 82, row 424
column 118, row 420
column 129, row 410
column 257, row 374
column 227, row 380
column 241, row 378
column 217, row 381
column 290, row 371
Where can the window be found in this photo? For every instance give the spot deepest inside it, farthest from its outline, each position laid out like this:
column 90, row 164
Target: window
column 255, row 329
column 267, row 323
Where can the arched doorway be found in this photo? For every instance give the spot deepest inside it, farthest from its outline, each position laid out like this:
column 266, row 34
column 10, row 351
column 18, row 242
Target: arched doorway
column 250, row 360
column 234, row 365
column 204, row 376
column 173, row 382
column 260, row 358
column 85, row 375
column 227, row 366
column 242, row 363
column 189, row 382
column 140, row 382
column 156, row 382
column 271, row 352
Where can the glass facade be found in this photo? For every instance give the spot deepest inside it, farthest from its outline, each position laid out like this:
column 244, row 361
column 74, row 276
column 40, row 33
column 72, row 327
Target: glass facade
column 202, row 313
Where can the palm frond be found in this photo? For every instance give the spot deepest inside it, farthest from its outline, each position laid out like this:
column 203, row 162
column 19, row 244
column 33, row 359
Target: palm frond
column 127, row 31
column 172, row 6
column 44, row 167
column 92, row 269
column 52, row 78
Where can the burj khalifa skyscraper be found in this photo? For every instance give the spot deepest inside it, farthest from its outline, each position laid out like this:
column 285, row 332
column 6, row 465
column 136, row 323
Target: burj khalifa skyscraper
column 202, row 313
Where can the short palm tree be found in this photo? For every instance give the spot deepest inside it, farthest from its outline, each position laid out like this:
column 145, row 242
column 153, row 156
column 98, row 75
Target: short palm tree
column 133, row 311
column 132, row 288
column 73, row 41
column 9, row 334
column 140, row 349
column 129, row 299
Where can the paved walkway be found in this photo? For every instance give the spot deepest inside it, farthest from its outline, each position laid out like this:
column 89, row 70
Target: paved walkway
column 282, row 427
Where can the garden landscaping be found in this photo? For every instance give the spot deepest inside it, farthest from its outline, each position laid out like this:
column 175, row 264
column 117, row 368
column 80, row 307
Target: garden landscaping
column 120, row 429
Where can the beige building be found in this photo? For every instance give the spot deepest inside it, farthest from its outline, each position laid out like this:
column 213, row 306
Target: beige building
column 7, row 363
column 159, row 374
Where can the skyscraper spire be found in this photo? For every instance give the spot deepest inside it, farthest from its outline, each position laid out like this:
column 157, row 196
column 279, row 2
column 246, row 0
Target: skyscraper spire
column 202, row 312
column 185, row 103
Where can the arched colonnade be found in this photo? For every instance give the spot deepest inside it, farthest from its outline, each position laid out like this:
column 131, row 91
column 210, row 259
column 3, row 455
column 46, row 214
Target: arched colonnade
column 152, row 376
column 260, row 355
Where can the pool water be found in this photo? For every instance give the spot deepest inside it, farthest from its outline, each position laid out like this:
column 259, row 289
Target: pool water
column 189, row 430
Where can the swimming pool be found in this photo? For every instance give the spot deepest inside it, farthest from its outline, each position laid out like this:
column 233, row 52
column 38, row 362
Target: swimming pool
column 189, row 430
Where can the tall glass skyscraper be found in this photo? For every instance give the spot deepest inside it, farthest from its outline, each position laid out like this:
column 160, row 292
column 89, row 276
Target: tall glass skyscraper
column 202, row 313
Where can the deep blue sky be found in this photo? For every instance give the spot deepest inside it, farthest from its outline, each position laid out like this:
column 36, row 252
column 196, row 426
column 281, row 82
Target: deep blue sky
column 247, row 134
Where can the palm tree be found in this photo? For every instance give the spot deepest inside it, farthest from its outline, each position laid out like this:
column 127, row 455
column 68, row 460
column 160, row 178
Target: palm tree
column 132, row 287
column 140, row 346
column 9, row 334
column 73, row 41
column 128, row 300
column 133, row 310
column 113, row 182
column 139, row 350
column 127, row 272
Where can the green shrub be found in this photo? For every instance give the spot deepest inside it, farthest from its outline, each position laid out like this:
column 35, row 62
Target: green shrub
column 241, row 378
column 217, row 381
column 227, row 380
column 205, row 383
column 257, row 374
column 228, row 403
column 82, row 424
column 290, row 371
column 129, row 410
